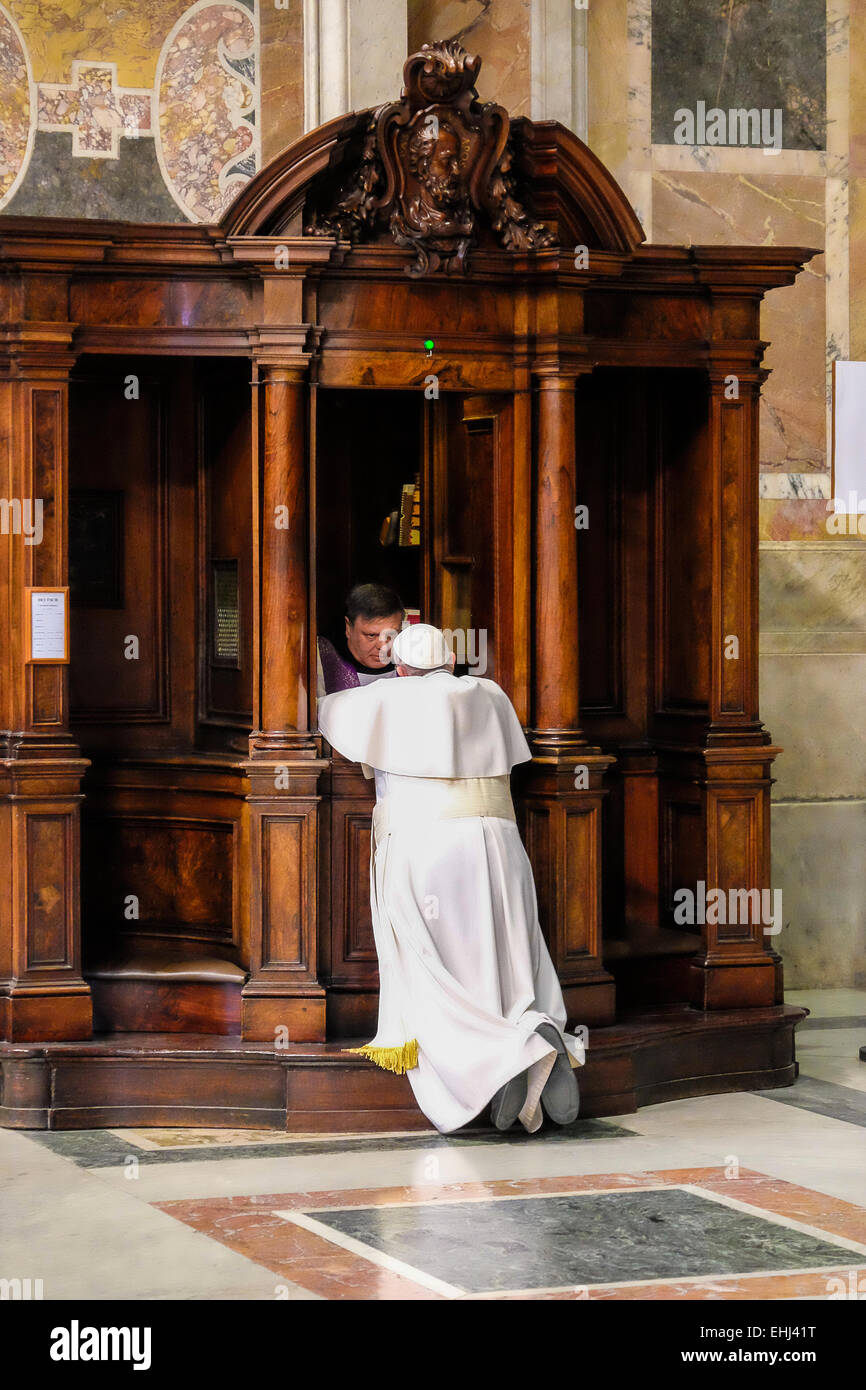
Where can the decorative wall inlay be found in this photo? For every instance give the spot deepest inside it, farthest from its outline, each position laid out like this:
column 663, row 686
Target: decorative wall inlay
column 791, row 485
column 95, row 109
column 103, row 83
column 208, row 138
column 17, row 103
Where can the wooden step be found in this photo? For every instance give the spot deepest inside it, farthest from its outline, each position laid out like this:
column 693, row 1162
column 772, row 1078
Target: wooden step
column 154, row 985
column 319, row 1088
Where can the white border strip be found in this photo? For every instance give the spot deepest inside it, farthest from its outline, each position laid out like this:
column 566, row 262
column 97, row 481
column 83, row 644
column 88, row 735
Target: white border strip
column 370, row 1253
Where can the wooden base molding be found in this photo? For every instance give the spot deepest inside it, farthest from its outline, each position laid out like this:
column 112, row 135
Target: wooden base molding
column 139, row 1080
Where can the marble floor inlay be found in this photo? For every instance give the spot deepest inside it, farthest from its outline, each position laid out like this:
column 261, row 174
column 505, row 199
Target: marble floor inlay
column 687, row 1233
column 587, row 1238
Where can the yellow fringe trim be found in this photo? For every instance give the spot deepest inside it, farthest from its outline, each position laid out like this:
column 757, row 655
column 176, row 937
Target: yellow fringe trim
column 397, row 1059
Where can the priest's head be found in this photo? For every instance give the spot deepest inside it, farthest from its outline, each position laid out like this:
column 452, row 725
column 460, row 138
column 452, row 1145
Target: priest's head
column 374, row 613
column 420, row 649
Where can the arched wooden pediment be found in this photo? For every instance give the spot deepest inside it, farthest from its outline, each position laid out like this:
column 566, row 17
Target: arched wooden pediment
column 439, row 171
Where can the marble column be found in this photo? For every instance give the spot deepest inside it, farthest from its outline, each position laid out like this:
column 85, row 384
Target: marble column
column 354, row 51
column 559, row 63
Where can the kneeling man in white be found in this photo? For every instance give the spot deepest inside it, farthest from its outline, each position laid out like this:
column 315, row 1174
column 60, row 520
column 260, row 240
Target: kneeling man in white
column 470, row 1007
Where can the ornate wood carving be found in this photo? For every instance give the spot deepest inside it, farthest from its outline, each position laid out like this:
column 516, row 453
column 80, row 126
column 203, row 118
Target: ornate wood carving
column 430, row 164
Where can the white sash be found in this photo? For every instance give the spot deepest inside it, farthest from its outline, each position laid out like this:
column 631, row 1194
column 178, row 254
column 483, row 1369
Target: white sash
column 414, row 800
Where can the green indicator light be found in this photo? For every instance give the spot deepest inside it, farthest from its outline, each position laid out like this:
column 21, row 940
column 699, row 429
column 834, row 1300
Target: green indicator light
column 429, row 344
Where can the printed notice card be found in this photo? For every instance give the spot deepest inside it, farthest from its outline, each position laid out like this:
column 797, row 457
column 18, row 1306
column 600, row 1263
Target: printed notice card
column 48, row 625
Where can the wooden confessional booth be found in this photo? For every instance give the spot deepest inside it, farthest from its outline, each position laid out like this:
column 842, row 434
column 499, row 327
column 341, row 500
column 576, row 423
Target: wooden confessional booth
column 427, row 301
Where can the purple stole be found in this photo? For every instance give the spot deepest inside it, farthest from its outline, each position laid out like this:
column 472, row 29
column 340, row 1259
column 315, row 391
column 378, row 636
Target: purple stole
column 339, row 674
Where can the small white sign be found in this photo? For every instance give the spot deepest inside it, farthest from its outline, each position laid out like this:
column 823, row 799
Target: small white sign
column 48, row 625
column 849, row 433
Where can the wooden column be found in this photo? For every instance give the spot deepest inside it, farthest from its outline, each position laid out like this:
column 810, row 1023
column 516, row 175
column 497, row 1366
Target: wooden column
column 564, row 792
column 42, row 993
column 283, row 998
column 738, row 966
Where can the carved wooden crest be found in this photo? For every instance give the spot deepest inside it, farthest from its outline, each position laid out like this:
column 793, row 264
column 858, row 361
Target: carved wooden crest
column 431, row 164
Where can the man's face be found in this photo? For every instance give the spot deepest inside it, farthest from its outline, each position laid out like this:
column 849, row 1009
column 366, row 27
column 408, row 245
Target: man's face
column 369, row 639
column 443, row 173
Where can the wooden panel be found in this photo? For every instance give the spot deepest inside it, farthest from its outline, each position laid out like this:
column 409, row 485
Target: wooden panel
column 735, row 846
column 683, row 850
column 641, row 848
column 48, row 557
column 225, row 521
column 352, row 957
column 116, row 443
column 358, row 923
column 283, row 891
column 601, row 607
column 683, row 545
column 48, row 868
column 537, row 838
column 180, row 869
column 615, row 481
column 472, row 527
column 734, row 588
column 580, row 934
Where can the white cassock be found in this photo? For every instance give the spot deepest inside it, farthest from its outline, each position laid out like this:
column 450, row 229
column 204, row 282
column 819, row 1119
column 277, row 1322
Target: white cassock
column 465, row 974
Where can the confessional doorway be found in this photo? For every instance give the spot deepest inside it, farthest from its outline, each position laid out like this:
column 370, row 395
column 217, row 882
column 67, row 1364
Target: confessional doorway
column 410, row 491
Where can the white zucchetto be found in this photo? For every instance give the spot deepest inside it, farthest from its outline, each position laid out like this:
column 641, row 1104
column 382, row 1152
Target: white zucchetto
column 420, row 645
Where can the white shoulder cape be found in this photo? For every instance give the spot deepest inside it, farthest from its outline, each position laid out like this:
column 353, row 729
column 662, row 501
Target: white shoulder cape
column 437, row 725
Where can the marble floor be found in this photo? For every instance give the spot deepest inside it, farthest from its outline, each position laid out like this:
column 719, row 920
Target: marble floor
column 759, row 1195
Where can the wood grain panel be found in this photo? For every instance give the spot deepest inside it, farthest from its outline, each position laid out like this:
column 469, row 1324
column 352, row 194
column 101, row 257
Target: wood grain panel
column 734, row 593
column 119, row 442
column 735, row 847
column 48, row 864
column 283, row 891
column 580, row 937
column 683, row 545
column 225, row 511
column 359, row 944
column 684, row 850
column 181, row 871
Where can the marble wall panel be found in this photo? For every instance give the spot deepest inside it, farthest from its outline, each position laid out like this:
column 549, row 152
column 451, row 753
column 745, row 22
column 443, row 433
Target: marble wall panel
column 819, row 588
column 282, row 49
column 812, row 704
column 773, row 210
column 499, row 30
column 819, row 852
column 765, row 54
column 857, row 266
column 607, row 93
